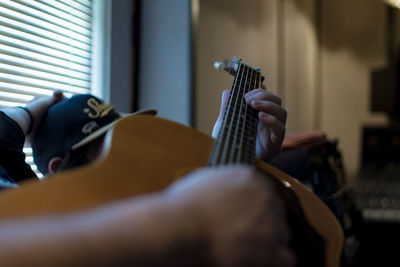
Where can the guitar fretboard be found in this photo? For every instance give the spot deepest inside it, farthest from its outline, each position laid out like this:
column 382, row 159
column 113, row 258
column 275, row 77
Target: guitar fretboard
column 237, row 137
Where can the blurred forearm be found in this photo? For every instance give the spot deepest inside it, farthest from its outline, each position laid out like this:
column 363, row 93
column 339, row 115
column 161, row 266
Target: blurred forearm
column 148, row 231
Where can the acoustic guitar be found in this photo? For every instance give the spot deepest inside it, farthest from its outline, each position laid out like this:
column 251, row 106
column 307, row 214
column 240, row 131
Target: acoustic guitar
column 146, row 154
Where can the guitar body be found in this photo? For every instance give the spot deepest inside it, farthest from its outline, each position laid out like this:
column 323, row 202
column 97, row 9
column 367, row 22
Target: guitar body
column 144, row 155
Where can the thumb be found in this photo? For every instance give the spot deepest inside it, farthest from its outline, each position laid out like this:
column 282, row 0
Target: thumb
column 224, row 103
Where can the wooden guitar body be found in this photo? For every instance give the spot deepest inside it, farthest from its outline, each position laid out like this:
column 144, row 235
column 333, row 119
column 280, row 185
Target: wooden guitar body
column 146, row 154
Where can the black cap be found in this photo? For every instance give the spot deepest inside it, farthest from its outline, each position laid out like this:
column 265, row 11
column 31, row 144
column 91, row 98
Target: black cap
column 72, row 123
column 68, row 124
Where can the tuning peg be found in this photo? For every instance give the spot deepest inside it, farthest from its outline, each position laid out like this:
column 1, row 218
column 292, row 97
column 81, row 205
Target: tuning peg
column 220, row 66
column 236, row 59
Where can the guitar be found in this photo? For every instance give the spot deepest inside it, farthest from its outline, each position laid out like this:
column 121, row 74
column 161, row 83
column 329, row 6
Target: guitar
column 146, row 154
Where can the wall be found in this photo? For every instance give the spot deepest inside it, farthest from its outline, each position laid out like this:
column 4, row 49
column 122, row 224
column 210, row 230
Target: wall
column 225, row 30
column 112, row 67
column 352, row 46
column 164, row 77
column 273, row 35
column 300, row 70
column 121, row 95
column 316, row 54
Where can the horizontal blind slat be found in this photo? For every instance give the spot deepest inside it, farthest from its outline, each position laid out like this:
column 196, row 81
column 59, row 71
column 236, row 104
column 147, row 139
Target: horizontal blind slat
column 86, row 3
column 24, row 27
column 76, row 5
column 83, row 24
column 44, row 58
column 43, row 67
column 15, row 97
column 61, row 52
column 33, row 42
column 43, row 75
column 6, row 104
column 46, row 21
column 43, row 84
column 25, row 89
column 70, row 9
column 45, row 42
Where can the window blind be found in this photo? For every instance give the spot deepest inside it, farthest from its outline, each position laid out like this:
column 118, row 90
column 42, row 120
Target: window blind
column 44, row 45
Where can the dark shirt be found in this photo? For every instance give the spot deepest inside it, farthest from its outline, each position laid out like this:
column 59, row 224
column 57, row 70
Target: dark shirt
column 13, row 168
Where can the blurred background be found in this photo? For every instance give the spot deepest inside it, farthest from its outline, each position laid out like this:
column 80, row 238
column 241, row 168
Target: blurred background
column 318, row 55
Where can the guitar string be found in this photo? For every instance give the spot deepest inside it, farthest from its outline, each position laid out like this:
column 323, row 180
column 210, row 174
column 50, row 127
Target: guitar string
column 248, row 122
column 234, row 92
column 230, row 116
column 243, row 122
column 254, row 120
column 249, row 133
column 217, row 154
column 251, row 129
column 237, row 119
column 241, row 118
column 237, row 96
column 244, row 118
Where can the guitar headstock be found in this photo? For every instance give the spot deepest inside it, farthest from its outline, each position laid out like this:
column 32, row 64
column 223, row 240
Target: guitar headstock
column 231, row 66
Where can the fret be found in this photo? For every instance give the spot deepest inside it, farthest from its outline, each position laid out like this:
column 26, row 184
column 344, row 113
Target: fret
column 223, row 146
column 241, row 105
column 237, row 137
column 243, row 134
column 245, row 87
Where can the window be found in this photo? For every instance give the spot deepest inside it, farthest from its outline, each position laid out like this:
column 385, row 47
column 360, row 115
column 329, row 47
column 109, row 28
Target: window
column 44, row 45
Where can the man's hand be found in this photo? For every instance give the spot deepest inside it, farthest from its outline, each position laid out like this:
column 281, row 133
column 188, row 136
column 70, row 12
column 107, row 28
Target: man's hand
column 38, row 108
column 226, row 217
column 271, row 125
column 239, row 212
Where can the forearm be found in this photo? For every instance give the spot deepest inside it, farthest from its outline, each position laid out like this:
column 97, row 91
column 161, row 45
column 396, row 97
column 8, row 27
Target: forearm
column 12, row 158
column 146, row 231
column 20, row 116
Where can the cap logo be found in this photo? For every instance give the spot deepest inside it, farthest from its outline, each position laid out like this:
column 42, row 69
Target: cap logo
column 97, row 109
column 90, row 127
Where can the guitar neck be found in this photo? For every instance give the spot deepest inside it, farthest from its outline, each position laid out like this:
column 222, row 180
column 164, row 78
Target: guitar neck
column 237, row 137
